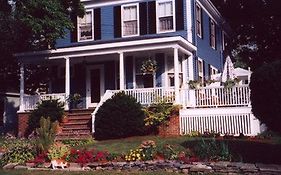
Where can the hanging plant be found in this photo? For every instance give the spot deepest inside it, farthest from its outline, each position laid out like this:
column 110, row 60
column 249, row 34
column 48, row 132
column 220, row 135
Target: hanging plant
column 149, row 66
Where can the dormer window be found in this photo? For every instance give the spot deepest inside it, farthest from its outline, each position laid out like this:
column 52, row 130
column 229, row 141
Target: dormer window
column 130, row 20
column 86, row 27
column 212, row 34
column 165, row 16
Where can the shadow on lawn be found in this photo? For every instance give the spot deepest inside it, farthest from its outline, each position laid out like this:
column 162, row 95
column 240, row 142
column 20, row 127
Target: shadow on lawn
column 247, row 151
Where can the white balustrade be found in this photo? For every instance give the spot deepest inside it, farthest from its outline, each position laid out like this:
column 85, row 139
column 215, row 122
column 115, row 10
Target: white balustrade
column 31, row 101
column 217, row 96
column 231, row 120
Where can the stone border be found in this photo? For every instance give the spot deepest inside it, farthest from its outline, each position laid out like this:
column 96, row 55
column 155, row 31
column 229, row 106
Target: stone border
column 170, row 166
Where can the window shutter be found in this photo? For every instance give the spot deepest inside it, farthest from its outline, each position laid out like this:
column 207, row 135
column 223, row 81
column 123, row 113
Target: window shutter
column 73, row 33
column 204, row 71
column 179, row 15
column 152, row 17
column 143, row 18
column 97, row 24
column 117, row 21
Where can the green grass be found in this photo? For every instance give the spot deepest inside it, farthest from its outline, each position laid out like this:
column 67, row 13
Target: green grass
column 24, row 172
column 122, row 146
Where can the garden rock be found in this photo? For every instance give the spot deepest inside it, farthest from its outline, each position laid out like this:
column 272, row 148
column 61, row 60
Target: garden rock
column 21, row 167
column 10, row 166
column 201, row 168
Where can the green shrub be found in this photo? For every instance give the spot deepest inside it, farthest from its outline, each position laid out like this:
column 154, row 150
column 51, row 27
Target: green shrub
column 58, row 151
column 47, row 108
column 212, row 150
column 46, row 134
column 266, row 95
column 119, row 117
column 18, row 152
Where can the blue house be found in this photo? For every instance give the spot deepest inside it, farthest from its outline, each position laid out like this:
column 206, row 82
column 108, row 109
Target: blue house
column 105, row 53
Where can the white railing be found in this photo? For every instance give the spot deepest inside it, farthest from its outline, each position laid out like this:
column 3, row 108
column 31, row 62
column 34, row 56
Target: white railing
column 217, row 96
column 231, row 120
column 147, row 96
column 30, row 101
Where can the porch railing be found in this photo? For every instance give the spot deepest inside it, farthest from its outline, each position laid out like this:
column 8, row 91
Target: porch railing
column 217, row 96
column 31, row 101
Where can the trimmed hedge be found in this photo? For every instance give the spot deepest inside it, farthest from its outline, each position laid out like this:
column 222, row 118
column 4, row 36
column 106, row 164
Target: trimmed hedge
column 266, row 95
column 119, row 117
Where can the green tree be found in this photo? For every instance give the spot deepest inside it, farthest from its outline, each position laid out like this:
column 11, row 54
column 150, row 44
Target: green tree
column 256, row 29
column 27, row 25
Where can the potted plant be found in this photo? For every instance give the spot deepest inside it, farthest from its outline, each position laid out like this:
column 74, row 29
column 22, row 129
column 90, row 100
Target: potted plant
column 74, row 100
column 149, row 66
column 194, row 84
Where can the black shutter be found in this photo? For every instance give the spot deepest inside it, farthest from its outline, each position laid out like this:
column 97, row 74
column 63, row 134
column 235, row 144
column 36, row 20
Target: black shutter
column 152, row 17
column 204, row 71
column 179, row 15
column 97, row 24
column 117, row 21
column 143, row 18
column 73, row 33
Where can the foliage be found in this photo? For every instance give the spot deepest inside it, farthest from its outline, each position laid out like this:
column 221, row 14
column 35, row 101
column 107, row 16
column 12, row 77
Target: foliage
column 46, row 134
column 194, row 84
column 58, row 151
column 135, row 155
column 255, row 24
column 47, row 108
column 80, row 156
column 121, row 116
column 230, row 83
column 266, row 95
column 159, row 113
column 212, row 150
column 193, row 134
column 149, row 66
column 168, row 152
column 74, row 100
column 40, row 159
column 18, row 152
column 77, row 143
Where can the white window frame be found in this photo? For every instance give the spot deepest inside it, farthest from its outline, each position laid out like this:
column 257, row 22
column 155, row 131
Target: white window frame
column 213, row 33
column 138, row 19
column 200, row 73
column 78, row 28
column 213, row 70
column 198, row 13
column 157, row 16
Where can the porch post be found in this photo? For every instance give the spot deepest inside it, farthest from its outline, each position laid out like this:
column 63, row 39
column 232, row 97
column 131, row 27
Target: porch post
column 176, row 74
column 67, row 79
column 121, row 71
column 192, row 98
column 21, row 88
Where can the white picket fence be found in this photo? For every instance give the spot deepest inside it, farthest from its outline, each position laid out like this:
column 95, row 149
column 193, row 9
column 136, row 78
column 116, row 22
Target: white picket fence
column 230, row 120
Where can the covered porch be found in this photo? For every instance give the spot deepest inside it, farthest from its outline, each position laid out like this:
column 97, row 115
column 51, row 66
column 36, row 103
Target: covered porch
column 92, row 70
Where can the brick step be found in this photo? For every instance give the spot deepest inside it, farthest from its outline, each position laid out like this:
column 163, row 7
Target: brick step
column 78, row 122
column 79, row 127
column 79, row 117
column 77, row 132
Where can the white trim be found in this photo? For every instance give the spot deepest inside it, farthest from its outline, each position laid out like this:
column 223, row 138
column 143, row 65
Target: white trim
column 223, row 40
column 118, row 46
column 189, row 21
column 157, row 16
column 88, row 84
column 93, row 29
column 67, row 78
column 21, row 108
column 121, row 71
column 209, row 14
column 190, row 68
column 138, row 19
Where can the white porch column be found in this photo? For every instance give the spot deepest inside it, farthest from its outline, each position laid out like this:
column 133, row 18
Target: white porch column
column 192, row 98
column 121, row 71
column 176, row 74
column 67, row 79
column 21, row 109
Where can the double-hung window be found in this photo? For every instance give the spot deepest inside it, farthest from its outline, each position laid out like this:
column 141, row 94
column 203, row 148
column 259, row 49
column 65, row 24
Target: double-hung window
column 198, row 20
column 165, row 16
column 130, row 20
column 212, row 34
column 86, row 27
column 200, row 70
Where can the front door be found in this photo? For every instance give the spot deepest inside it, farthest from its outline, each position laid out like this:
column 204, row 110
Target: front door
column 95, row 85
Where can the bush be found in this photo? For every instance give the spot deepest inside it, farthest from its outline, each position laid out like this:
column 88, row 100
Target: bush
column 46, row 134
column 266, row 95
column 47, row 108
column 58, row 151
column 19, row 152
column 119, row 117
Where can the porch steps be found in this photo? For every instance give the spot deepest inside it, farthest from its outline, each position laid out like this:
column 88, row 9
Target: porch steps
column 78, row 125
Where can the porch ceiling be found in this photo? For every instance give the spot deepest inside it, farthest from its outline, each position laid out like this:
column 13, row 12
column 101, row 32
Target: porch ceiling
column 112, row 47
